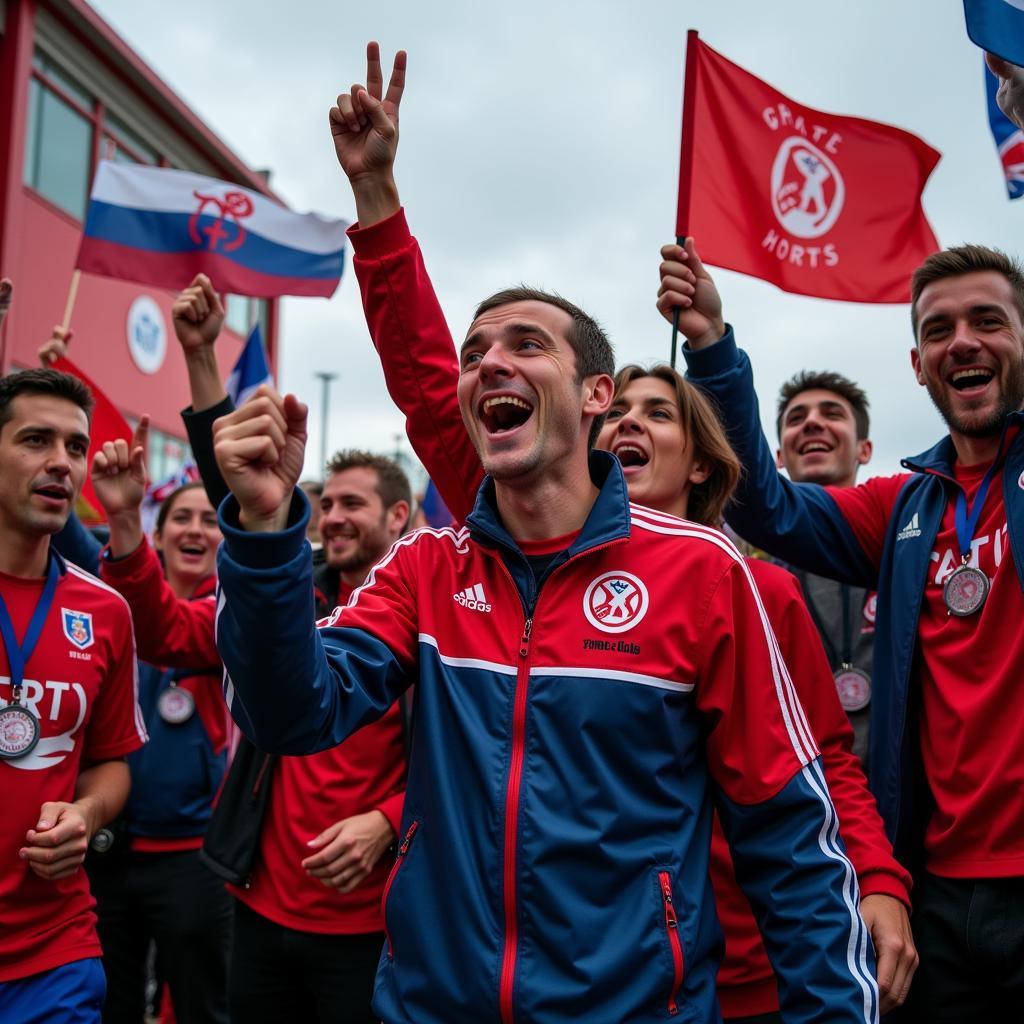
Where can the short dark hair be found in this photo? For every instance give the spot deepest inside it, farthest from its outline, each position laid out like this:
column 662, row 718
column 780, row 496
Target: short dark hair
column 42, row 382
column 168, row 503
column 392, row 483
column 703, row 430
column 825, row 380
column 590, row 344
column 965, row 259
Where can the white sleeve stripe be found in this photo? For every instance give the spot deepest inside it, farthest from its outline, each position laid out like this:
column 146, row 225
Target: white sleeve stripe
column 792, row 711
column 857, row 945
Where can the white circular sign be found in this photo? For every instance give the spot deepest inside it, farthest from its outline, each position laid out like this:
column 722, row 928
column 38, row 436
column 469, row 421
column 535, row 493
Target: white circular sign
column 807, row 188
column 147, row 334
column 615, row 602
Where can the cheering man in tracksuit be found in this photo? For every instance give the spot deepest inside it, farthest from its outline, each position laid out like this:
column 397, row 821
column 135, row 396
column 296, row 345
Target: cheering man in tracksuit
column 573, row 717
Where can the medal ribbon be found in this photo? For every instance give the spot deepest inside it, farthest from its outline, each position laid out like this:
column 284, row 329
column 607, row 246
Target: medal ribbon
column 18, row 654
column 967, row 523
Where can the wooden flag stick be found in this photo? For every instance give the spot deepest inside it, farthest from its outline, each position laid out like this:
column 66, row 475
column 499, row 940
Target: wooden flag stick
column 69, row 306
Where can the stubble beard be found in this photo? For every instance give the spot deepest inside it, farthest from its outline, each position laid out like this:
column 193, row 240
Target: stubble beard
column 1011, row 399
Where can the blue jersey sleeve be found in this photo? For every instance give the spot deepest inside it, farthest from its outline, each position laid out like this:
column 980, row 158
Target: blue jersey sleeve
column 800, row 523
column 76, row 544
column 792, row 866
column 292, row 689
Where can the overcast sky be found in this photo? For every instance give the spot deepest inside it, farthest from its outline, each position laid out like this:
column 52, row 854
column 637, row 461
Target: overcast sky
column 540, row 143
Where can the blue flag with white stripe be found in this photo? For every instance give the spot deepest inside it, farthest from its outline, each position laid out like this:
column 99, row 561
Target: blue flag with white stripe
column 997, row 26
column 1009, row 139
column 250, row 371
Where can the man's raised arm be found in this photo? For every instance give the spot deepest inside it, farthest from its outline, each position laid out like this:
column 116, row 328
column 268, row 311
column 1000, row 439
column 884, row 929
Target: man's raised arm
column 290, row 692
column 801, row 523
column 403, row 315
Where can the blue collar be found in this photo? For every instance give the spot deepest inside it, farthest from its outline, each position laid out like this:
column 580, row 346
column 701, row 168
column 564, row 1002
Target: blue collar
column 942, row 457
column 607, row 521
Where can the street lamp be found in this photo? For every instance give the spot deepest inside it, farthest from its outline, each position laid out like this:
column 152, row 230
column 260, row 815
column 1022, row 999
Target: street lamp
column 325, row 388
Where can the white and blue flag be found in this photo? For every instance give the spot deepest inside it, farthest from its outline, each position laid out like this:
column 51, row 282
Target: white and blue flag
column 250, row 371
column 997, row 26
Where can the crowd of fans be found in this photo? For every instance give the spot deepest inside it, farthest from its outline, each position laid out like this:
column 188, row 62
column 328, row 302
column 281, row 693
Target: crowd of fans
column 535, row 765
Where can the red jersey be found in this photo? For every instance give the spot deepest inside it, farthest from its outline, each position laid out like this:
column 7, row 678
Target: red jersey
column 972, row 716
column 81, row 683
column 307, row 794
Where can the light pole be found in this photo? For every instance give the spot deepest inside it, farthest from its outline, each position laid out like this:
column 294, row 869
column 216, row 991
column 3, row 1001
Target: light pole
column 325, row 389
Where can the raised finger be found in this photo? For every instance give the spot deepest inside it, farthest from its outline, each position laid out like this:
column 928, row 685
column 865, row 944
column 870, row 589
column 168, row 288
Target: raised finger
column 397, row 84
column 374, row 75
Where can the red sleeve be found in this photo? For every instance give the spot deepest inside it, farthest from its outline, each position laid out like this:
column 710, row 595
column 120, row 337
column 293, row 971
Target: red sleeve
column 417, row 354
column 868, row 508
column 169, row 630
column 861, row 826
column 758, row 736
column 115, row 726
column 391, row 808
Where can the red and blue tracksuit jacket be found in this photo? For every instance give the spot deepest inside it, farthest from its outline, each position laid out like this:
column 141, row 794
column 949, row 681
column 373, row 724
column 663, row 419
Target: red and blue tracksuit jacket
column 569, row 739
column 803, row 524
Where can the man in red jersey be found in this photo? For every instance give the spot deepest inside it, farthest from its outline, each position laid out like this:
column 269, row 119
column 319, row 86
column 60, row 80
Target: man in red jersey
column 308, row 926
column 70, row 714
column 942, row 545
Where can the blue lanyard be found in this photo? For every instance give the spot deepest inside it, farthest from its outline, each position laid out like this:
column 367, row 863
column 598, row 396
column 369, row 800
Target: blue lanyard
column 19, row 654
column 966, row 523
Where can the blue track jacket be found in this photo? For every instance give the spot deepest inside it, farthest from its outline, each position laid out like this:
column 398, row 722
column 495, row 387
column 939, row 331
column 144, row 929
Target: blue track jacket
column 569, row 739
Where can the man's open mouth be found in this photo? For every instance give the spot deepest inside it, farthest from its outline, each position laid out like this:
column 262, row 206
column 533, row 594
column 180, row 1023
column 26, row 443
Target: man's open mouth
column 54, row 492
column 502, row 413
column 815, row 446
column 192, row 549
column 975, row 377
column 630, row 455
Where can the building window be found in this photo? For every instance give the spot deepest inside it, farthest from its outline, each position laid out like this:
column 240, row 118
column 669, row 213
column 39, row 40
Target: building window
column 123, row 145
column 167, row 454
column 240, row 313
column 58, row 145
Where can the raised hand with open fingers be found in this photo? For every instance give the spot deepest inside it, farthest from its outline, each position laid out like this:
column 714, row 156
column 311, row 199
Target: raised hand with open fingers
column 364, row 123
column 260, row 450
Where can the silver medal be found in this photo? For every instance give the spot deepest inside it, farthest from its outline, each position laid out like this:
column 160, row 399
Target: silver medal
column 176, row 705
column 965, row 590
column 853, row 687
column 19, row 731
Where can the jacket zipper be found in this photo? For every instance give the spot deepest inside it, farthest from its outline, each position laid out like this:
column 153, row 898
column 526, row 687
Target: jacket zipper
column 672, row 929
column 403, row 849
column 515, row 774
column 506, row 982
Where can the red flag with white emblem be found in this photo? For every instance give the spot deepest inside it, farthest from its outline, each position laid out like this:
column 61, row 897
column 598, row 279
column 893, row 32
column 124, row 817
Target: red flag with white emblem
column 818, row 204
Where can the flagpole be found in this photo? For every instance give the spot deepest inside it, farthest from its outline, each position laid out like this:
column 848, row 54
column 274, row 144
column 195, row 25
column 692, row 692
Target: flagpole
column 685, row 162
column 69, row 306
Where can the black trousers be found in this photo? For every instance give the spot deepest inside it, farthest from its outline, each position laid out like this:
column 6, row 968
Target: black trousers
column 970, row 935
column 279, row 974
column 175, row 901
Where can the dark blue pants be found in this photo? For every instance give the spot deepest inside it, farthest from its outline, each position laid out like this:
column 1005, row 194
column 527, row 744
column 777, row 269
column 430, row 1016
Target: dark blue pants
column 72, row 994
